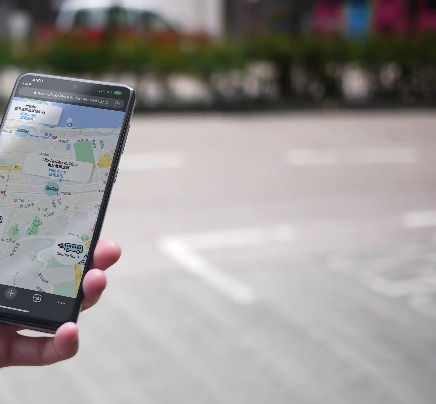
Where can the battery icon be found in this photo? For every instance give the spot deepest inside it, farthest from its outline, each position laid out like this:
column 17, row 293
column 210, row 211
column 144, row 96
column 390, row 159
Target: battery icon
column 117, row 92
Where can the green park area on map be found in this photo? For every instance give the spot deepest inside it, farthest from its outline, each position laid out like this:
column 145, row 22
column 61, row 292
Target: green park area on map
column 84, row 152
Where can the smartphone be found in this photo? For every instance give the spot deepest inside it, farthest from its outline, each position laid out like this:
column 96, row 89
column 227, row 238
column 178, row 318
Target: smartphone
column 60, row 145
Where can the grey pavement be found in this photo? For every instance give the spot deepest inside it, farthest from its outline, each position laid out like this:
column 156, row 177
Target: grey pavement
column 284, row 258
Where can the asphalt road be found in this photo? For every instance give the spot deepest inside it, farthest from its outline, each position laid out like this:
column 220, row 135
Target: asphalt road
column 267, row 259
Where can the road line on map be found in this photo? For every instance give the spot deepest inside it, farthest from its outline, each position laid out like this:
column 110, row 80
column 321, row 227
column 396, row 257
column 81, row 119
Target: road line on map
column 362, row 156
column 151, row 161
column 419, row 219
column 184, row 250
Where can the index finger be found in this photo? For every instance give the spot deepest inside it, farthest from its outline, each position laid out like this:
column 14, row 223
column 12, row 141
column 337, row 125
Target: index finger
column 106, row 254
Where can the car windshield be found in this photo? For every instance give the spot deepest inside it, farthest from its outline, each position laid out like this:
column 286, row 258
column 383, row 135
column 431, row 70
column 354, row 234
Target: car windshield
column 100, row 18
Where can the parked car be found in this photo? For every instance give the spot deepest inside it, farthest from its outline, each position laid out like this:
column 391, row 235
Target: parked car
column 99, row 19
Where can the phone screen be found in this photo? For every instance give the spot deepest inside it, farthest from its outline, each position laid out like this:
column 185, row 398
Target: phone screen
column 59, row 140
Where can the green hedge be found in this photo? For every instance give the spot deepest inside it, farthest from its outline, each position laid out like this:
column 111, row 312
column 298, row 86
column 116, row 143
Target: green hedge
column 73, row 55
column 76, row 55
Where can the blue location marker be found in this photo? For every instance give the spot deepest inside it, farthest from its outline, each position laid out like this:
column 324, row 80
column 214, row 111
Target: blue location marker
column 51, row 189
column 22, row 131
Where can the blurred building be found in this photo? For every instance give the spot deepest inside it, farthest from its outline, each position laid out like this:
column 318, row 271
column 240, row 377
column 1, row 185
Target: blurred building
column 21, row 16
column 241, row 18
column 247, row 17
column 41, row 11
column 353, row 18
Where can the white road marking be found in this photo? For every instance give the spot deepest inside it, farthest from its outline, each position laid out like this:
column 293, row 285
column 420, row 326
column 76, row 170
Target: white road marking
column 197, row 265
column 383, row 275
column 240, row 237
column 151, row 161
column 311, row 157
column 368, row 156
column 425, row 304
column 419, row 219
column 397, row 155
column 397, row 288
column 183, row 250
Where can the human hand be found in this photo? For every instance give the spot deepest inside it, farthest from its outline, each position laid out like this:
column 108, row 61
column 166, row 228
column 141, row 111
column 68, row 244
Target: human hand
column 20, row 350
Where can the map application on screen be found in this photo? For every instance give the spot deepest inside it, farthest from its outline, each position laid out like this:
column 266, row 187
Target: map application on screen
column 55, row 160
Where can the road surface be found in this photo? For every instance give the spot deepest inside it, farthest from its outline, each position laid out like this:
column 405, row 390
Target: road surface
column 281, row 259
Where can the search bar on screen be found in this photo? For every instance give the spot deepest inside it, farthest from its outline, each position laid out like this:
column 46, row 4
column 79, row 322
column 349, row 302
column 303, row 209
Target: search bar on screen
column 61, row 96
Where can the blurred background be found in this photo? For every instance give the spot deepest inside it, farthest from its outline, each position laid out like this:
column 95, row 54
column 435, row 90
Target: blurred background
column 275, row 203
column 209, row 54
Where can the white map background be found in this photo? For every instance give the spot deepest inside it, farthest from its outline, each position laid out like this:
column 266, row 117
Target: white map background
column 40, row 213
